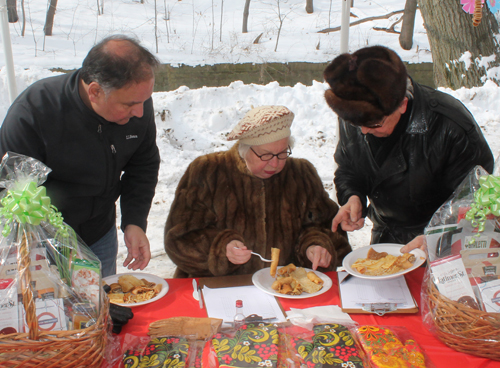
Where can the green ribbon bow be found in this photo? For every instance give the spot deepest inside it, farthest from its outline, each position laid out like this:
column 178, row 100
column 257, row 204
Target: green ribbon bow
column 30, row 205
column 486, row 201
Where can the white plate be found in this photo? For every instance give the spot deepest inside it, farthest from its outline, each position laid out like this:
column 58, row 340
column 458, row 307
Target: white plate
column 263, row 280
column 382, row 247
column 152, row 278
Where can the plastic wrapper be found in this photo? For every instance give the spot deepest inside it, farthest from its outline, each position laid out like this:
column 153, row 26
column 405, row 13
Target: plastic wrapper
column 167, row 351
column 172, row 342
column 391, row 346
column 50, row 281
column 261, row 344
column 463, row 241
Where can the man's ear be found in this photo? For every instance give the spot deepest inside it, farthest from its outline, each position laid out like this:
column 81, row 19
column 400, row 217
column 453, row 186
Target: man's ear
column 403, row 106
column 95, row 91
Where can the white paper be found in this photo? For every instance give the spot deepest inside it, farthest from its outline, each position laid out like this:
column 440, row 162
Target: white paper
column 357, row 291
column 221, row 303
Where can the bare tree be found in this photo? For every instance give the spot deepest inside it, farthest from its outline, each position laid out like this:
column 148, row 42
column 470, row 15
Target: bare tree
column 213, row 25
column 309, row 7
column 281, row 17
column 23, row 28
column 156, row 27
column 49, row 20
column 406, row 36
column 246, row 11
column 221, row 16
column 167, row 18
column 452, row 36
column 12, row 11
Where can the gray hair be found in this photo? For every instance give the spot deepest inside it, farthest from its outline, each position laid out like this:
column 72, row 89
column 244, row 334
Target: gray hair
column 244, row 148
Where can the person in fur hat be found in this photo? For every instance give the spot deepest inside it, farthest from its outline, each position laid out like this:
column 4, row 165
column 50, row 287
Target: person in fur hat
column 403, row 146
column 252, row 197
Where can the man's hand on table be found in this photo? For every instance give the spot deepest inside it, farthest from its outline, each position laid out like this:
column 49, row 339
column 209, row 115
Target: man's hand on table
column 137, row 244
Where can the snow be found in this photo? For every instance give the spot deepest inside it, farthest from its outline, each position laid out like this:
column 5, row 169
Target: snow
column 193, row 122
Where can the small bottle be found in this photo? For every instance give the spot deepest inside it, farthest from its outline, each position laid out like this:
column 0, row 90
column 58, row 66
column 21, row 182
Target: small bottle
column 239, row 317
column 84, row 315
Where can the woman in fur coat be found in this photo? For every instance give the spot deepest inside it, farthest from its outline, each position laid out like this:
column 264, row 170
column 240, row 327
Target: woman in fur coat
column 251, row 198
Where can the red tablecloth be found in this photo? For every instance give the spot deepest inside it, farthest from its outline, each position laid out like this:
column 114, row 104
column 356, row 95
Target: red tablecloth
column 179, row 302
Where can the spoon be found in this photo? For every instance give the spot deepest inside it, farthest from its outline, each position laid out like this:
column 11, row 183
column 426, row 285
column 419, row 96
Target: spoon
column 196, row 295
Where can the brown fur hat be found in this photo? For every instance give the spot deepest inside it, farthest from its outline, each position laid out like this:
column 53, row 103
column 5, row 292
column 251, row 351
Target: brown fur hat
column 366, row 85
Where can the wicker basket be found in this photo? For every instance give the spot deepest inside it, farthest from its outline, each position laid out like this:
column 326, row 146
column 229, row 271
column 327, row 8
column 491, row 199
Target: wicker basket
column 463, row 328
column 55, row 349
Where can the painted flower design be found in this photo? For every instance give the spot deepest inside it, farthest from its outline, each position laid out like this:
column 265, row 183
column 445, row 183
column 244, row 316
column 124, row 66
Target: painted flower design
column 494, row 5
column 388, row 361
column 468, row 5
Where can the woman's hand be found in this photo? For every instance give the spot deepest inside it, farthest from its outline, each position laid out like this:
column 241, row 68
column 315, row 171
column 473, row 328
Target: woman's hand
column 237, row 252
column 319, row 256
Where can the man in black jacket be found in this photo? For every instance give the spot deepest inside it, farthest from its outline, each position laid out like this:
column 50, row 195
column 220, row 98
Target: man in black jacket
column 95, row 129
column 404, row 146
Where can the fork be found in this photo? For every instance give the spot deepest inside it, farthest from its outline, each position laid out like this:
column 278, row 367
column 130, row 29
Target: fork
column 258, row 255
column 262, row 258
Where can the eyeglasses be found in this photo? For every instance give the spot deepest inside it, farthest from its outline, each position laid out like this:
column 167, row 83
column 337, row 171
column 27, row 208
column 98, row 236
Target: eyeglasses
column 378, row 125
column 374, row 126
column 269, row 156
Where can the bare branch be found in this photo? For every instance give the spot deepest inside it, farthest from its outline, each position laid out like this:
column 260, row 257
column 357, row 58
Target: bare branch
column 369, row 19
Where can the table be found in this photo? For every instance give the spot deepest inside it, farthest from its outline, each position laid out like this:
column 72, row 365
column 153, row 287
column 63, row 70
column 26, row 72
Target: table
column 179, row 302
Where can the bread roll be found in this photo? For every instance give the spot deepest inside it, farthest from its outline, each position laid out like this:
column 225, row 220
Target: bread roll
column 314, row 278
column 275, row 257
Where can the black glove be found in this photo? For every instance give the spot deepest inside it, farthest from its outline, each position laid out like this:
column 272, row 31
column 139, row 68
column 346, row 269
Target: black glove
column 120, row 316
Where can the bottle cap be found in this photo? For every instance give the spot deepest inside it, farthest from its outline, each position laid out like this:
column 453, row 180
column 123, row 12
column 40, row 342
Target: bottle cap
column 239, row 303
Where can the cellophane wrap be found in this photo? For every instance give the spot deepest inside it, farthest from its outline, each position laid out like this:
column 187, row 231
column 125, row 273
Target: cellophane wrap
column 464, row 226
column 45, row 267
column 282, row 345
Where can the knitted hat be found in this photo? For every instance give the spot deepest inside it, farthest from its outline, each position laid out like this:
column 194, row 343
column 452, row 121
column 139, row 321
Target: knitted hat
column 264, row 124
column 366, row 85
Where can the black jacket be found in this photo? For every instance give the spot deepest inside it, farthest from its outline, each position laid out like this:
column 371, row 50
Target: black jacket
column 93, row 161
column 423, row 166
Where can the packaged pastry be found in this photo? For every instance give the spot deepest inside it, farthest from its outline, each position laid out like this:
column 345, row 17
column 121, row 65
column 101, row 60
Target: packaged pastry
column 391, row 346
column 451, row 279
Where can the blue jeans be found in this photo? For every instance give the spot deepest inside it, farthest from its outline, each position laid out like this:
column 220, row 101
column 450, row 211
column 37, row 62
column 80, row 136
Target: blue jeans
column 106, row 250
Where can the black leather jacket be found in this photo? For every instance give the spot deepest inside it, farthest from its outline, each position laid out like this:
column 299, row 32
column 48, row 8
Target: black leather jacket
column 441, row 144
column 93, row 161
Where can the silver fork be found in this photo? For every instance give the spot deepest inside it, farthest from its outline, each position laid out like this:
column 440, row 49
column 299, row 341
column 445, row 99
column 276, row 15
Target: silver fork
column 258, row 255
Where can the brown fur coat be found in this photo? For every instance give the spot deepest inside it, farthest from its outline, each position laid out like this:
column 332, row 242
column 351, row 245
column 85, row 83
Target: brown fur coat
column 218, row 200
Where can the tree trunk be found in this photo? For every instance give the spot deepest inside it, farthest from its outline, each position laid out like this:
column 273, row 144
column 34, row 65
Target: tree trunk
column 49, row 21
column 451, row 34
column 309, row 7
column 406, row 36
column 23, row 28
column 12, row 11
column 246, row 11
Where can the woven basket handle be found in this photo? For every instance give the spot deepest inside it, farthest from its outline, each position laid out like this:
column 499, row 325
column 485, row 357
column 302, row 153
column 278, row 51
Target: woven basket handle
column 26, row 289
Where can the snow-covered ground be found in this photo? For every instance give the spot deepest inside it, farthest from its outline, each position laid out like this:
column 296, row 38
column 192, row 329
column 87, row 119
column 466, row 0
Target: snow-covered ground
column 196, row 120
